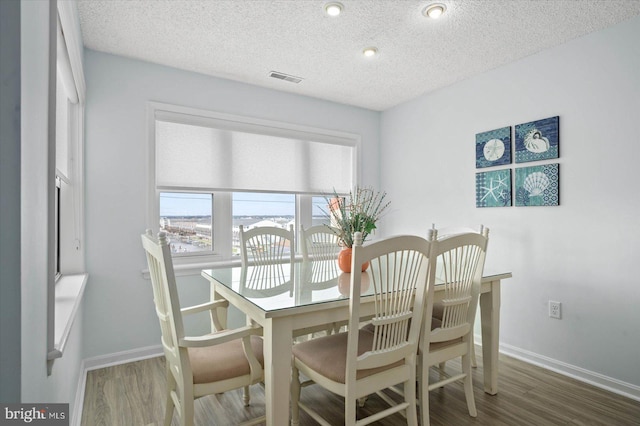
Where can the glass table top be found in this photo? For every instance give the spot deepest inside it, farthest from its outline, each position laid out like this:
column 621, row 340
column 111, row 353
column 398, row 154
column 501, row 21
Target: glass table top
column 286, row 285
column 283, row 286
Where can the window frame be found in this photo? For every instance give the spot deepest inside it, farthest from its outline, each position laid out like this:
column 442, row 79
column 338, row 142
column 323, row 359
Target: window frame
column 223, row 203
column 66, row 274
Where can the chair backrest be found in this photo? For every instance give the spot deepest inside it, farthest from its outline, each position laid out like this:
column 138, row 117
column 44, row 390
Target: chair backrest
column 266, row 245
column 165, row 297
column 400, row 267
column 319, row 242
column 450, row 231
column 460, row 261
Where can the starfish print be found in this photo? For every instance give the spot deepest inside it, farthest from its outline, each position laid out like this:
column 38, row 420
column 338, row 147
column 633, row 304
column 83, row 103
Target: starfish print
column 490, row 191
column 502, row 180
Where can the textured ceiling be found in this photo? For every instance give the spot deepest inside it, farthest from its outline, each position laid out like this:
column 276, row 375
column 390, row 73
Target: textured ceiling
column 244, row 40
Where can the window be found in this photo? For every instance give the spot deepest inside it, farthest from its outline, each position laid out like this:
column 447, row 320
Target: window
column 187, row 220
column 320, row 213
column 67, row 277
column 68, row 167
column 261, row 209
column 251, row 171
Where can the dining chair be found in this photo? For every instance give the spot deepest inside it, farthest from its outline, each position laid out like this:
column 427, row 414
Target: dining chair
column 266, row 245
column 438, row 309
column 198, row 365
column 319, row 242
column 359, row 361
column 460, row 264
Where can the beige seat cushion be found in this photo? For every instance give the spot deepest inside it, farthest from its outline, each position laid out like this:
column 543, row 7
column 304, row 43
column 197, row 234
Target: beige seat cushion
column 224, row 361
column 328, row 355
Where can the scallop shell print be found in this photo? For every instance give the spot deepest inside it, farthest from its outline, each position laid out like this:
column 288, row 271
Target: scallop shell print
column 536, row 183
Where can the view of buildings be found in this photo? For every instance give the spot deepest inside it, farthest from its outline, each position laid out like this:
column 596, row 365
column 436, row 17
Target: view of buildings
column 187, row 217
column 194, row 233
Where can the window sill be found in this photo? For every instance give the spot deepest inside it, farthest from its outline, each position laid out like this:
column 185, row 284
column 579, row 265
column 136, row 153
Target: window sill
column 196, row 268
column 69, row 292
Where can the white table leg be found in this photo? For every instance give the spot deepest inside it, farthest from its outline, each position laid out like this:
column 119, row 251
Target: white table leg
column 490, row 321
column 277, row 364
column 222, row 312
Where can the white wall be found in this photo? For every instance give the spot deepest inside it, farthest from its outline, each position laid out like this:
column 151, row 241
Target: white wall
column 582, row 253
column 37, row 386
column 118, row 313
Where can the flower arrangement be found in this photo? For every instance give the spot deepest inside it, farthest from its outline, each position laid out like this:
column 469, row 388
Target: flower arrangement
column 357, row 212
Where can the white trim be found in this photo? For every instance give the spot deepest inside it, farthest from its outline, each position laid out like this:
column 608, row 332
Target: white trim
column 78, row 406
column 152, row 195
column 192, row 269
column 244, row 122
column 123, row 357
column 68, row 295
column 64, row 66
column 598, row 380
column 70, row 22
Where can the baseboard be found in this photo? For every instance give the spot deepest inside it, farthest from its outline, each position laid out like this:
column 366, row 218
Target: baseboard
column 596, row 379
column 107, row 361
column 122, row 357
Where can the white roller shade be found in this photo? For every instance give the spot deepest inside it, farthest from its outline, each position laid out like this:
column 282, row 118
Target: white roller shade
column 213, row 154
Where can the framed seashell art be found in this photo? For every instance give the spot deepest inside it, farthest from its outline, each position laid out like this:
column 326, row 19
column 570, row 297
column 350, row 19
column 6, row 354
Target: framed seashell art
column 493, row 148
column 537, row 140
column 538, row 185
column 493, row 189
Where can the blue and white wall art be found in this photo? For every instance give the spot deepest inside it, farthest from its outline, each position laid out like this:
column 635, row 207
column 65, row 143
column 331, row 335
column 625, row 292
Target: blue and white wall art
column 493, row 148
column 537, row 140
column 538, row 185
column 493, row 189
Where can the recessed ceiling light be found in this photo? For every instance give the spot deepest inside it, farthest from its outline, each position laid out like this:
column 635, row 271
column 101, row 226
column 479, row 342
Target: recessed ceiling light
column 434, row 11
column 370, row 52
column 333, row 9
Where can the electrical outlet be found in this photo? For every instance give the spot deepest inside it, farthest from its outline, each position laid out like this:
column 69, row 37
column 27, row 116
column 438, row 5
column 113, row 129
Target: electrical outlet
column 555, row 309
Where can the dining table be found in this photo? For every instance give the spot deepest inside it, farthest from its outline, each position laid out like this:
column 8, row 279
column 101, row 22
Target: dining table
column 294, row 299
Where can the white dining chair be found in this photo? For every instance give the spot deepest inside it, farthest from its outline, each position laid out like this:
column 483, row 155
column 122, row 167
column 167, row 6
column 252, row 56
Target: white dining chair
column 460, row 264
column 319, row 242
column 266, row 245
column 438, row 309
column 359, row 362
column 198, row 365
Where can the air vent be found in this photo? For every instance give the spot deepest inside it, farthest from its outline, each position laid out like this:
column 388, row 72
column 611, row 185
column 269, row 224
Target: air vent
column 285, row 77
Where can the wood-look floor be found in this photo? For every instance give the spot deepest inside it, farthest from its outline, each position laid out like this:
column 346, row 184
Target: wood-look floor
column 133, row 394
